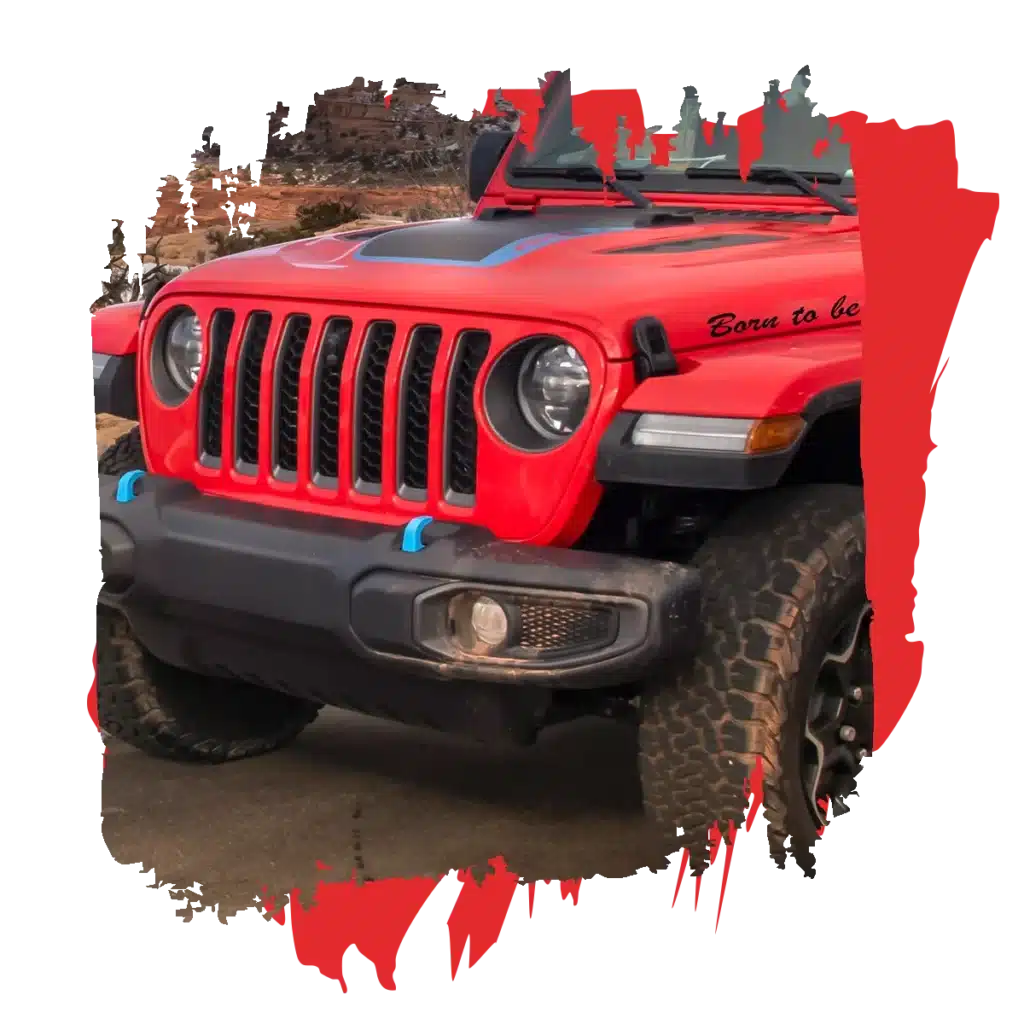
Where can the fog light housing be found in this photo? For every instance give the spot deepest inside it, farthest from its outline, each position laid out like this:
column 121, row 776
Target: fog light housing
column 478, row 623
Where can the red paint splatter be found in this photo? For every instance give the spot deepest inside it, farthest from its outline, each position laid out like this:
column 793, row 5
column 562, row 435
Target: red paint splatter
column 488, row 109
column 716, row 842
column 321, row 866
column 596, row 113
column 532, row 886
column 682, row 872
column 373, row 917
column 725, row 873
column 754, row 788
column 91, row 701
column 572, row 888
column 387, row 101
column 479, row 912
column 820, row 148
column 915, row 241
column 92, row 704
column 823, row 807
column 750, row 128
column 662, row 154
column 698, row 912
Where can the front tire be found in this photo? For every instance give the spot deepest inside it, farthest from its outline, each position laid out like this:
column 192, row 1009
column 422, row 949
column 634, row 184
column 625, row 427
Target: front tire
column 168, row 712
column 123, row 455
column 783, row 674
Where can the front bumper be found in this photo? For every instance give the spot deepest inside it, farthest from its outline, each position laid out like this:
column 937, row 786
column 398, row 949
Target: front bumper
column 333, row 609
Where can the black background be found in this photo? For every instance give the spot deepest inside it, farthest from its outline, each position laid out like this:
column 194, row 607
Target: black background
column 925, row 883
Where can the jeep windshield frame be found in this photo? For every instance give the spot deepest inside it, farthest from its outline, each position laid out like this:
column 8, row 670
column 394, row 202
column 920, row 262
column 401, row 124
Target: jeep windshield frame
column 559, row 149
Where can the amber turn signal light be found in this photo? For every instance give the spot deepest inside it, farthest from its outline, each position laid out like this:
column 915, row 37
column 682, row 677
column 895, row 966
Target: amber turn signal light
column 773, row 434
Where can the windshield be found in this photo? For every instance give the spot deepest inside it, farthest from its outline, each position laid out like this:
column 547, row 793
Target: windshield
column 696, row 154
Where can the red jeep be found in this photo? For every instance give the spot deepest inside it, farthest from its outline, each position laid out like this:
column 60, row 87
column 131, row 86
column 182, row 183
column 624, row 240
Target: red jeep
column 592, row 450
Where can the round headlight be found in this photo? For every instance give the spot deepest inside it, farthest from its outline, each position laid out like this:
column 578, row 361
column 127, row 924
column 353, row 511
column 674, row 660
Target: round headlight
column 183, row 349
column 554, row 390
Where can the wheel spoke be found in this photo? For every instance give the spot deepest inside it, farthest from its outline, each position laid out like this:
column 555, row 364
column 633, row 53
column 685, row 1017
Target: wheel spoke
column 830, row 762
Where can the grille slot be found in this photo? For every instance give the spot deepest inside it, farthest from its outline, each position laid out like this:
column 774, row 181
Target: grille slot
column 327, row 401
column 286, row 395
column 247, row 419
column 460, row 441
column 550, row 626
column 414, row 435
column 211, row 401
column 369, row 426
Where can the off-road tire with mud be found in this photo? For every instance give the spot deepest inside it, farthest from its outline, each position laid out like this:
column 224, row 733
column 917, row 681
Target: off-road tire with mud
column 123, row 455
column 166, row 711
column 780, row 577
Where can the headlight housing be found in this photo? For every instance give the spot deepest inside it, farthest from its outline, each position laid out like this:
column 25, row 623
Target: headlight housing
column 553, row 390
column 537, row 393
column 181, row 340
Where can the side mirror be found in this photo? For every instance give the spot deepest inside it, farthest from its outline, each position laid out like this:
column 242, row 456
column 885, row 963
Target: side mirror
column 484, row 157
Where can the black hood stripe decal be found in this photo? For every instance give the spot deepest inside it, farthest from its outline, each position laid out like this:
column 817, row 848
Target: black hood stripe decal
column 469, row 242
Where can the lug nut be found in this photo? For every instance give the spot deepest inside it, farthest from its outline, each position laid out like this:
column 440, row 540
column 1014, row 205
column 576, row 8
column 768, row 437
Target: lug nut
column 862, row 753
column 847, row 733
column 856, row 694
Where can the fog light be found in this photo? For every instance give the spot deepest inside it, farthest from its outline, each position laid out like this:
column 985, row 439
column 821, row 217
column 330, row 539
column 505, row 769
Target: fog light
column 489, row 622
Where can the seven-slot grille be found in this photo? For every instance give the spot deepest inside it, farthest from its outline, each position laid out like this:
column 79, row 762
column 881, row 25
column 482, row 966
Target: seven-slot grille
column 264, row 377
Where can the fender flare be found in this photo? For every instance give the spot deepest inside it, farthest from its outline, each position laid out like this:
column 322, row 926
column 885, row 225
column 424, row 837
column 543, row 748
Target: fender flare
column 115, row 342
column 619, row 462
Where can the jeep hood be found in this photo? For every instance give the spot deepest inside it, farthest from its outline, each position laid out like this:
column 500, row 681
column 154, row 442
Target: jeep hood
column 710, row 280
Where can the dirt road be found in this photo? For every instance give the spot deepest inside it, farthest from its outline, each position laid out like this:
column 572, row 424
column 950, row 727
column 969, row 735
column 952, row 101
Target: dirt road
column 379, row 800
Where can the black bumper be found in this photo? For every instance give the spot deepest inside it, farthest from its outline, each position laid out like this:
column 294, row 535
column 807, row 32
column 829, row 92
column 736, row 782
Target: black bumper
column 326, row 608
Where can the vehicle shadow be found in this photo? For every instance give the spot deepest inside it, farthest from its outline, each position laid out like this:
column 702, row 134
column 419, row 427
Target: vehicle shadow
column 578, row 766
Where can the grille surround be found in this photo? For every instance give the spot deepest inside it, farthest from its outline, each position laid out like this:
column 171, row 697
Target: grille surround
column 536, row 508
column 370, row 386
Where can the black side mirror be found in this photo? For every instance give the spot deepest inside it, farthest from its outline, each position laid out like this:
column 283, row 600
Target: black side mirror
column 484, row 157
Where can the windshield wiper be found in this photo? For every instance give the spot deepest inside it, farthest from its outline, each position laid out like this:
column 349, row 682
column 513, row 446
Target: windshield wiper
column 800, row 181
column 587, row 172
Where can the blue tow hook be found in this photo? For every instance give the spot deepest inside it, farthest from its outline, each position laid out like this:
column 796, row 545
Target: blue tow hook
column 412, row 535
column 126, row 485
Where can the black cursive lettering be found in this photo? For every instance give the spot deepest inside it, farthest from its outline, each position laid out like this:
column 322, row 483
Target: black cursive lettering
column 840, row 310
column 726, row 323
column 804, row 316
column 719, row 324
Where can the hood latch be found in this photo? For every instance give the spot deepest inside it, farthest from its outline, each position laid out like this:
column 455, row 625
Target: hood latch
column 652, row 355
